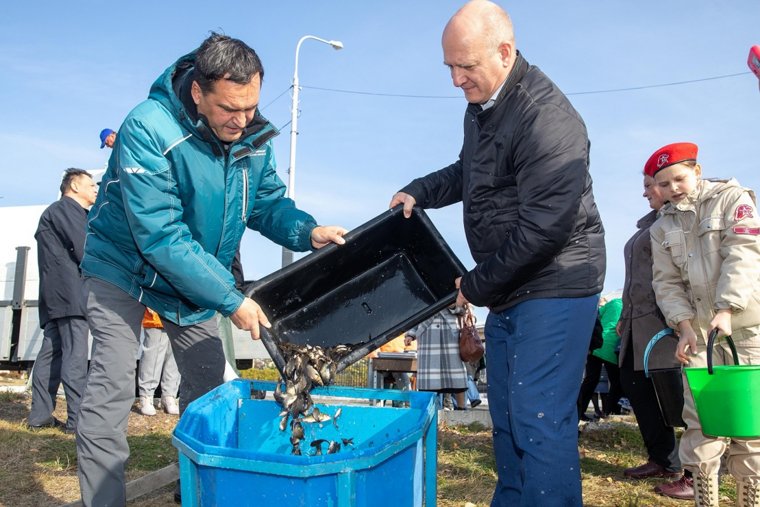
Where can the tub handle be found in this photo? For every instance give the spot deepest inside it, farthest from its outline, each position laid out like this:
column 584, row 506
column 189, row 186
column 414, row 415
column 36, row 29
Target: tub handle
column 711, row 343
column 648, row 350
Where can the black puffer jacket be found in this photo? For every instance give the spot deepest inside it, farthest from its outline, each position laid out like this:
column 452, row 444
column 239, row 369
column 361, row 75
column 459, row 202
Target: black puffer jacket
column 529, row 212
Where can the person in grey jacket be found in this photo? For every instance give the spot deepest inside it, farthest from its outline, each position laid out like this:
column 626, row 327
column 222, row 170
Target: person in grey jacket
column 191, row 169
column 63, row 354
column 537, row 239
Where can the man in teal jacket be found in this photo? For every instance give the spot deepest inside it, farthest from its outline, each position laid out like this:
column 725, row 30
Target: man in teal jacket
column 192, row 167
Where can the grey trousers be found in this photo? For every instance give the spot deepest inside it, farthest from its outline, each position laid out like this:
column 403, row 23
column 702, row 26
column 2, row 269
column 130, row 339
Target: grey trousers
column 115, row 320
column 157, row 364
column 62, row 359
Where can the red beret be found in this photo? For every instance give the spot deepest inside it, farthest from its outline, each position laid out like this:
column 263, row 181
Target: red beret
column 670, row 155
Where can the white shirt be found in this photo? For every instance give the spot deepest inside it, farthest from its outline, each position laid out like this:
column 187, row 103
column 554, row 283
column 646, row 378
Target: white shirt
column 490, row 102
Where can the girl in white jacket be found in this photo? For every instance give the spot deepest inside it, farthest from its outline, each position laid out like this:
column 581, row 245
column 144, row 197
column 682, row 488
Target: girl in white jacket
column 706, row 254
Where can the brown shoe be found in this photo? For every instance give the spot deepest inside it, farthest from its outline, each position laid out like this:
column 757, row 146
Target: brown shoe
column 682, row 489
column 650, row 469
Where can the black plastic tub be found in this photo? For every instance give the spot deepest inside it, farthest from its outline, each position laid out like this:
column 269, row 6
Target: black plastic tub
column 391, row 274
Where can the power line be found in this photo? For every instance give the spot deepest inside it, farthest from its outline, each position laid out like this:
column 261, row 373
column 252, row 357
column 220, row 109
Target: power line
column 276, row 98
column 661, row 85
column 403, row 95
column 592, row 92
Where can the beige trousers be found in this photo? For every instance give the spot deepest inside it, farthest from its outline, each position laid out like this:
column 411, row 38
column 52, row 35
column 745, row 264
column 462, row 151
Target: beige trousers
column 701, row 454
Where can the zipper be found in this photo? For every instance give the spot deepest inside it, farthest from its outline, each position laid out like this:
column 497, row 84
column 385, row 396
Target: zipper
column 245, row 195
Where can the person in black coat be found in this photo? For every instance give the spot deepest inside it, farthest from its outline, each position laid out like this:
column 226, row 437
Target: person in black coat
column 63, row 355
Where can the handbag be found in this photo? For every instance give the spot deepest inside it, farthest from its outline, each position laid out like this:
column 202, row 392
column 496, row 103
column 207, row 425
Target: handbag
column 470, row 345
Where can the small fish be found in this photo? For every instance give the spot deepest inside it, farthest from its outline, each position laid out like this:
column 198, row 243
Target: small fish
column 316, row 416
column 296, row 429
column 302, row 384
column 333, row 447
column 317, row 445
column 313, row 375
column 336, row 415
column 278, row 394
column 296, row 450
column 284, row 423
column 325, row 373
column 348, row 441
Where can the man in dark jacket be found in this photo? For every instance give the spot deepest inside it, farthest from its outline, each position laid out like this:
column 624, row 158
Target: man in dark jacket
column 538, row 241
column 63, row 354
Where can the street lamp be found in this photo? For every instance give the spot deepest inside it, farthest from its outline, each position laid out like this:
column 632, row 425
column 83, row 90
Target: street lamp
column 287, row 255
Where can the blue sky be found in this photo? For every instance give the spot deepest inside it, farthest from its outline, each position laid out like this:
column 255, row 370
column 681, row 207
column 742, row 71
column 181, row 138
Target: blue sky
column 72, row 68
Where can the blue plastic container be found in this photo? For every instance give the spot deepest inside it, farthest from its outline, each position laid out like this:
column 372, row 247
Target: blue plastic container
column 232, row 452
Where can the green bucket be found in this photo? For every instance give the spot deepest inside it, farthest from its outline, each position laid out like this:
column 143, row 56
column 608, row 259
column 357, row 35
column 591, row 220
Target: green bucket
column 727, row 398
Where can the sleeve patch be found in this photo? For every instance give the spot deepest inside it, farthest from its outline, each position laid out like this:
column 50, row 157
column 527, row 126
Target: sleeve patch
column 752, row 231
column 743, row 211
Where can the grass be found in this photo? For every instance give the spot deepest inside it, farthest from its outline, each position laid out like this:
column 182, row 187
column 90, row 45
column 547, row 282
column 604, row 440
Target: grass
column 38, row 469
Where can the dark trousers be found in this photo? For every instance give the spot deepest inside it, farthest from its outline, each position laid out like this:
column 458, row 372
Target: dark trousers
column 62, row 359
column 659, row 439
column 536, row 351
column 590, row 381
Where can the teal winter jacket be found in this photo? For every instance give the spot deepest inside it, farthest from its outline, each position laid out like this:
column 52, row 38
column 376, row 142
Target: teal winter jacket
column 174, row 203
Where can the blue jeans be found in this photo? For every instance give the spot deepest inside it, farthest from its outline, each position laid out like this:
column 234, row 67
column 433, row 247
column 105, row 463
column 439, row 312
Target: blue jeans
column 536, row 353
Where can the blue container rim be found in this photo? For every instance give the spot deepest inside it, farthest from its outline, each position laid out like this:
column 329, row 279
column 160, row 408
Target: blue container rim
column 307, row 466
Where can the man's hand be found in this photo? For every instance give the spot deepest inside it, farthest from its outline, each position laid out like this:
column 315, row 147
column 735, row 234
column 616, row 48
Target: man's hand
column 322, row 235
column 461, row 300
column 248, row 317
column 407, row 200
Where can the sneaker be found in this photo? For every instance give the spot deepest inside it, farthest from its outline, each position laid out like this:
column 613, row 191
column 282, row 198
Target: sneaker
column 475, row 403
column 170, row 405
column 146, row 406
column 51, row 423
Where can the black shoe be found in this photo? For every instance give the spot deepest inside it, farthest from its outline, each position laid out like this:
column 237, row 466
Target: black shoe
column 52, row 423
column 475, row 403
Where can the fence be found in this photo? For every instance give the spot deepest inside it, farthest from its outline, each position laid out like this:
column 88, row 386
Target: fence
column 353, row 376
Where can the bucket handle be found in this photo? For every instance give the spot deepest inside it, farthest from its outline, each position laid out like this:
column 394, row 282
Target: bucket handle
column 711, row 343
column 648, row 350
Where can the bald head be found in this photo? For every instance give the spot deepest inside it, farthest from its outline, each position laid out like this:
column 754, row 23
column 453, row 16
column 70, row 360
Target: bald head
column 483, row 20
column 478, row 46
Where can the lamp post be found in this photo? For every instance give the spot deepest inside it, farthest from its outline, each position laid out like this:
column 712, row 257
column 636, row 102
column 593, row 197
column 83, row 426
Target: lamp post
column 287, row 255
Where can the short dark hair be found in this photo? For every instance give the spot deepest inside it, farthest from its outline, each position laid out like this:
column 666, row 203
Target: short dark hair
column 222, row 57
column 69, row 175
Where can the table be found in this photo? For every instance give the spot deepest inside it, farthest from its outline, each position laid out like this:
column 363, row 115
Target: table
column 389, row 362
